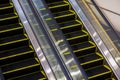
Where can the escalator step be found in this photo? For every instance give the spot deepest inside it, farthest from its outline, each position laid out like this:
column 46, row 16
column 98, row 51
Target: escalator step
column 14, row 55
column 10, row 30
column 6, row 8
column 32, row 76
column 98, row 73
column 8, row 19
column 76, row 37
column 13, row 42
column 70, row 26
column 20, row 68
column 83, row 48
column 58, row 6
column 64, row 16
column 90, row 60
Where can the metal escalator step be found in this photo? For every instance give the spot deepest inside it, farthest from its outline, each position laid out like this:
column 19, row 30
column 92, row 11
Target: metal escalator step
column 10, row 30
column 58, row 6
column 76, row 37
column 20, row 68
column 64, row 16
column 98, row 73
column 84, row 48
column 8, row 19
column 33, row 76
column 91, row 60
column 14, row 55
column 70, row 26
column 13, row 42
column 6, row 9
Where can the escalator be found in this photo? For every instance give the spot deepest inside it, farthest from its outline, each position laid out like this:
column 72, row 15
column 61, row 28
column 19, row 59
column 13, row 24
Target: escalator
column 17, row 57
column 86, row 51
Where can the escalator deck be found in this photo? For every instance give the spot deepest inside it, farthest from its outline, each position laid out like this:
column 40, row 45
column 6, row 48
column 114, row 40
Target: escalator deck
column 80, row 41
column 17, row 56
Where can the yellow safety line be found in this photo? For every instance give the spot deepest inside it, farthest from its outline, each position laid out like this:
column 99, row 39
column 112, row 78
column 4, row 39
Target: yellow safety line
column 70, row 26
column 18, row 54
column 58, row 6
column 10, row 29
column 83, row 49
column 99, row 74
column 64, row 15
column 20, row 69
column 91, row 61
column 76, row 37
column 8, row 18
column 6, row 7
column 12, row 42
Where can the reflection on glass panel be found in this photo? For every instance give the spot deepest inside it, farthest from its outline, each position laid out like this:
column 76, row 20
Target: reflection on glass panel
column 58, row 39
column 43, row 41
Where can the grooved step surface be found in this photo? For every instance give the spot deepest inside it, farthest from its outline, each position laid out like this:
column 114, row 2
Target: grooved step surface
column 18, row 65
column 32, row 76
column 97, row 71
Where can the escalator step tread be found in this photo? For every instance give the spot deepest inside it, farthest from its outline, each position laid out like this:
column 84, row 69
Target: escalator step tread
column 19, row 50
column 57, row 4
column 9, row 27
column 32, row 76
column 75, row 34
column 18, row 65
column 90, row 57
column 69, row 23
column 4, row 6
column 82, row 45
column 7, row 16
column 97, row 70
column 11, row 39
column 63, row 13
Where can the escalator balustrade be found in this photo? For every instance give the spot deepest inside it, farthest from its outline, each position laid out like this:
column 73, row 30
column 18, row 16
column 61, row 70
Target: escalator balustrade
column 17, row 56
column 80, row 41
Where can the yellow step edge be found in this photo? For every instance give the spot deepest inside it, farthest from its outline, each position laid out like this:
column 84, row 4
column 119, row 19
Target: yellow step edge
column 99, row 54
column 58, row 6
column 8, row 18
column 99, row 75
column 64, row 15
column 6, row 7
column 42, row 79
column 18, row 54
column 70, row 26
column 79, row 21
column 76, row 37
column 43, row 72
column 11, row 29
column 107, row 68
column 20, row 69
column 13, row 42
column 22, row 75
column 83, row 49
column 91, row 61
